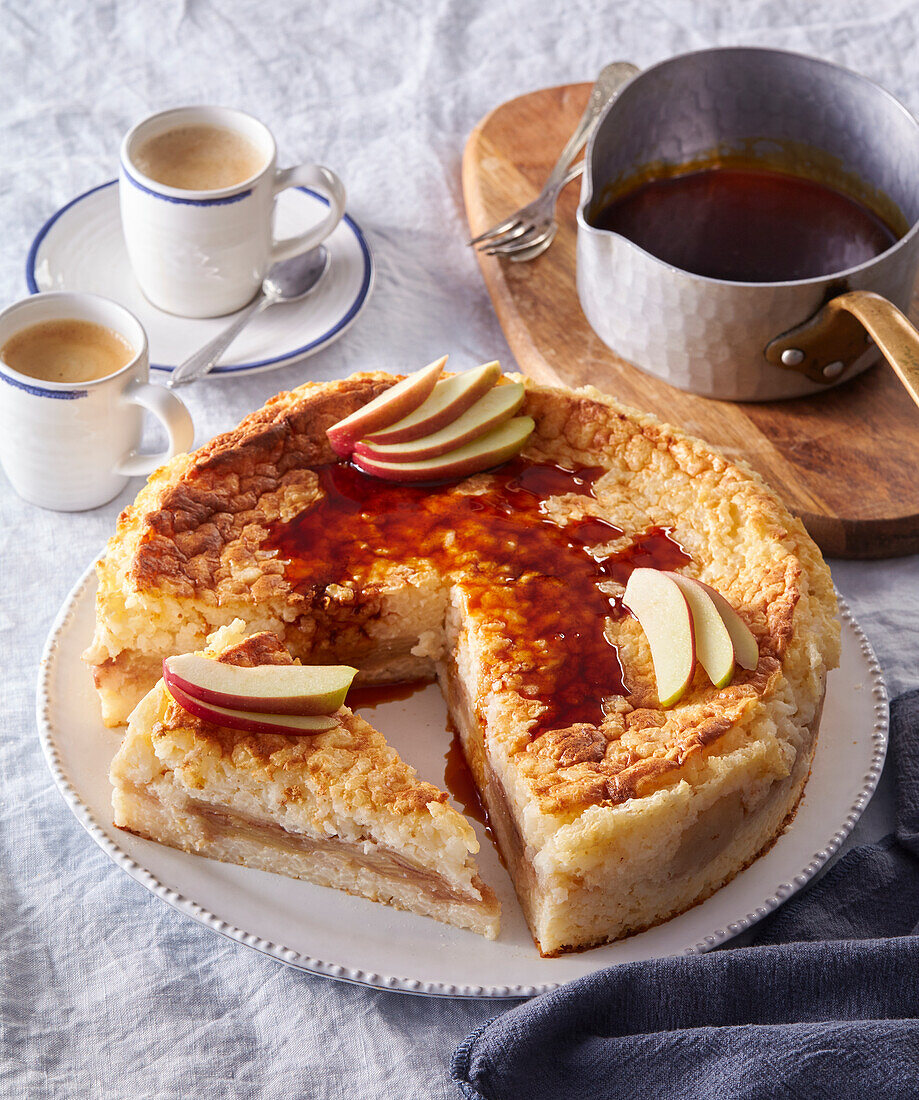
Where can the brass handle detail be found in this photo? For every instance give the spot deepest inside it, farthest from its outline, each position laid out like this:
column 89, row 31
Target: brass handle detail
column 830, row 341
column 893, row 333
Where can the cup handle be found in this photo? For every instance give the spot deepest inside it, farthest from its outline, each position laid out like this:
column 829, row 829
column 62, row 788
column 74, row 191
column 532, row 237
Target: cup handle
column 827, row 343
column 173, row 415
column 327, row 184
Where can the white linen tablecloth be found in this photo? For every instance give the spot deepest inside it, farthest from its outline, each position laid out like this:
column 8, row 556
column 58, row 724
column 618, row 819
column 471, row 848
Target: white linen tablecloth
column 105, row 992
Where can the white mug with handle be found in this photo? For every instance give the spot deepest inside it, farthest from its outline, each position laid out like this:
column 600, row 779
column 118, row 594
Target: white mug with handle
column 204, row 253
column 71, row 446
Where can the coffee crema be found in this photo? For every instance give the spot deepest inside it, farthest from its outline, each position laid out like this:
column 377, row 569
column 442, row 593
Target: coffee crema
column 199, row 158
column 67, row 351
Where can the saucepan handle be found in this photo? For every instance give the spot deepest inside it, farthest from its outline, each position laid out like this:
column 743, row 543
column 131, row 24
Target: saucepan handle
column 894, row 334
column 826, row 344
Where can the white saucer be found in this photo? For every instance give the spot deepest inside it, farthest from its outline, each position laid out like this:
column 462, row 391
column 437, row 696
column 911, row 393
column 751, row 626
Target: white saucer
column 81, row 247
column 330, row 932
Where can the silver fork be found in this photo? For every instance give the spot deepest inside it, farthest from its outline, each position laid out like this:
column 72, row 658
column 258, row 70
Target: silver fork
column 521, row 252
column 534, row 224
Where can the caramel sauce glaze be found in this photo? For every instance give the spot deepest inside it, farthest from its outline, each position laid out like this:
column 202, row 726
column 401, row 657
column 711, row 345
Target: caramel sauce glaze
column 515, row 563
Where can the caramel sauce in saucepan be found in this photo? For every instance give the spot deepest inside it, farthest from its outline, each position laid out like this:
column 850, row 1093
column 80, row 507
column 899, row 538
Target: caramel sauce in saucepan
column 747, row 224
column 514, row 560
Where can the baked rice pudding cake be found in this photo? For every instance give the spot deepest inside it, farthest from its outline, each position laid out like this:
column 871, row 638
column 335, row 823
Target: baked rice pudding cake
column 612, row 813
column 337, row 808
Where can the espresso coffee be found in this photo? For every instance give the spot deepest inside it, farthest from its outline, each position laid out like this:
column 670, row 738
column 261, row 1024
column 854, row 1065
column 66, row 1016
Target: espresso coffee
column 67, row 351
column 199, row 158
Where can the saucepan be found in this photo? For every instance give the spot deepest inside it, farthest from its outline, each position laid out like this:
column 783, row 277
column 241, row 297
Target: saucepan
column 754, row 341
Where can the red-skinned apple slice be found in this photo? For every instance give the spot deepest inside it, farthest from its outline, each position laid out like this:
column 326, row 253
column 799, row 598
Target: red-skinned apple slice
column 663, row 613
column 270, row 689
column 714, row 648
column 498, row 405
column 450, row 398
column 490, row 449
column 392, row 405
column 250, row 721
column 746, row 647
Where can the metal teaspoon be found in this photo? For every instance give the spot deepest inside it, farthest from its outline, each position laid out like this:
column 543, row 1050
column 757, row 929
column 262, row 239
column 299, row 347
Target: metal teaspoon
column 287, row 281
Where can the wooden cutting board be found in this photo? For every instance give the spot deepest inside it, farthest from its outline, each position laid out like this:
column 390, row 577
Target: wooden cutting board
column 846, row 461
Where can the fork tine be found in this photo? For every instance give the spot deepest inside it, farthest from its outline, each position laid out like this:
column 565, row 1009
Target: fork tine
column 497, row 230
column 519, row 230
column 522, row 255
column 524, row 240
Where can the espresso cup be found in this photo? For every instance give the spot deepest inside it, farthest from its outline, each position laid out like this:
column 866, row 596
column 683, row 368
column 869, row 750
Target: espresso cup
column 73, row 445
column 203, row 251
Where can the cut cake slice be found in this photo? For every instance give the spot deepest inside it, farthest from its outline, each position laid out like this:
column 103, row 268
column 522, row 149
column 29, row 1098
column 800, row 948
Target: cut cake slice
column 338, row 808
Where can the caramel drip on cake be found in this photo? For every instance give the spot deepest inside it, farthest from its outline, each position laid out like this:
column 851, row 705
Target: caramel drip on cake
column 369, row 696
column 459, row 782
column 507, row 553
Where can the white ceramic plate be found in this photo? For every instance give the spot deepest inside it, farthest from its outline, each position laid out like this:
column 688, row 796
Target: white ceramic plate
column 81, row 248
column 328, row 932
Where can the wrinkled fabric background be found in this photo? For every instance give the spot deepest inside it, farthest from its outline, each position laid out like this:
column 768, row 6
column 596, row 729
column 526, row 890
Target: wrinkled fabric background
column 105, row 992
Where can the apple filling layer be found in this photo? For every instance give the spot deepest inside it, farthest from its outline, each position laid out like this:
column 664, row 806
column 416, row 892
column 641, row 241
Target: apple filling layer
column 205, row 827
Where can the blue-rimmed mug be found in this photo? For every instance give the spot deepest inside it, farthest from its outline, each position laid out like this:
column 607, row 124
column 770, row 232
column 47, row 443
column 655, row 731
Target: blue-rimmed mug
column 70, row 446
column 205, row 253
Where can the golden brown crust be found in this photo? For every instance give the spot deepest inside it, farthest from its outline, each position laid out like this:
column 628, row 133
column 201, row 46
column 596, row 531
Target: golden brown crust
column 203, row 538
column 237, row 484
column 586, row 765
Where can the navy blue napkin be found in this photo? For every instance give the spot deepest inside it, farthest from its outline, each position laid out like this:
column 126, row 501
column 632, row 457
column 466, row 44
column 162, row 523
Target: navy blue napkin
column 826, row 1004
